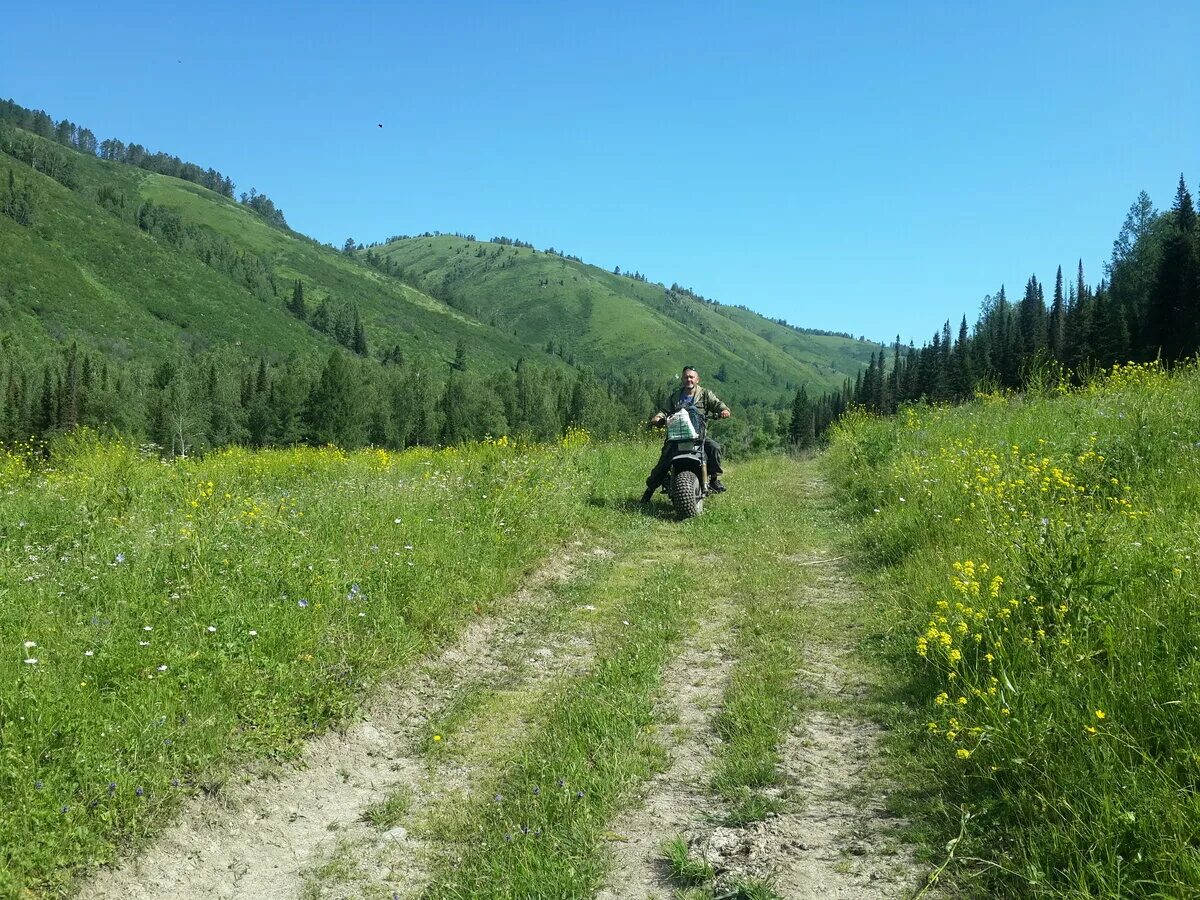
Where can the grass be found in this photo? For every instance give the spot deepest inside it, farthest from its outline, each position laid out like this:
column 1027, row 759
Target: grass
column 604, row 319
column 165, row 622
column 1038, row 559
column 389, row 812
column 686, row 869
column 763, row 699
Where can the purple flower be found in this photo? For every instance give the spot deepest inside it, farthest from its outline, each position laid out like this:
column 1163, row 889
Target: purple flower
column 537, row 792
column 120, row 557
column 65, row 810
column 303, row 604
column 141, row 792
column 112, row 787
column 562, row 782
column 37, row 785
column 175, row 782
column 499, row 798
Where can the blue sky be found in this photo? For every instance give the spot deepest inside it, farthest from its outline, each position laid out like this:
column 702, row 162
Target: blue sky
column 867, row 167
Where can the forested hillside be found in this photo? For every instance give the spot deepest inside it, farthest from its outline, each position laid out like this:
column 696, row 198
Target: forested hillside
column 137, row 293
column 1145, row 308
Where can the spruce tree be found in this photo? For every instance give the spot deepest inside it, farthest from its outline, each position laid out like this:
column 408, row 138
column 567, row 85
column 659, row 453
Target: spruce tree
column 297, row 306
column 1175, row 301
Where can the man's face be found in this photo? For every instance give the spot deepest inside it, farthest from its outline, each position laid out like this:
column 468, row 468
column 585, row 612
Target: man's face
column 690, row 379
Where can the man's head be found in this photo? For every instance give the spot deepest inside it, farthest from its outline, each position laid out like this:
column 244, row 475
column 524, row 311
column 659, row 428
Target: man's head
column 690, row 377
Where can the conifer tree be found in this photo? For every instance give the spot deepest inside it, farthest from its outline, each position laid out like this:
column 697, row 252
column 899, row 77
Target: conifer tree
column 1175, row 301
column 297, row 306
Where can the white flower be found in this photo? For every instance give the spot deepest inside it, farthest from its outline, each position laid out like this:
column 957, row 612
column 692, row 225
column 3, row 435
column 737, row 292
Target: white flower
column 397, row 521
column 253, row 633
column 147, row 628
column 162, row 668
column 30, row 645
column 212, row 628
column 31, row 661
column 362, row 615
column 89, row 652
column 143, row 643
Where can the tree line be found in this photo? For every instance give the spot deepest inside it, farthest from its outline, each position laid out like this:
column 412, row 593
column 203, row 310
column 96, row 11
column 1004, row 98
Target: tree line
column 1147, row 307
column 186, row 404
column 83, row 140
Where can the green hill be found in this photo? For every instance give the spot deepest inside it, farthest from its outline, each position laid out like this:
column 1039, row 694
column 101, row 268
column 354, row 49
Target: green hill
column 198, row 301
column 615, row 322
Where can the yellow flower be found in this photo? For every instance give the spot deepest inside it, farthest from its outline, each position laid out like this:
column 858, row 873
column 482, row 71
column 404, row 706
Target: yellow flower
column 1100, row 714
column 941, row 698
column 963, row 753
column 437, row 737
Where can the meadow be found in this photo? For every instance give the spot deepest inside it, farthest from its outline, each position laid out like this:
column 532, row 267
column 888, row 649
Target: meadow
column 166, row 621
column 1038, row 586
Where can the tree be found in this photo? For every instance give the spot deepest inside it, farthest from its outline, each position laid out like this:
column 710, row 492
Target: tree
column 801, row 431
column 297, row 306
column 1175, row 301
column 334, row 414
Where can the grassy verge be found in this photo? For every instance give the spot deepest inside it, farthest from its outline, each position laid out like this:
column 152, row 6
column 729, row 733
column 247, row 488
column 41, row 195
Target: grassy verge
column 1039, row 559
column 763, row 698
column 162, row 622
column 539, row 834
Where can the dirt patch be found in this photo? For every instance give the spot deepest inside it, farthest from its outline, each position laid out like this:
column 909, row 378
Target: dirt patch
column 691, row 691
column 260, row 838
column 836, row 838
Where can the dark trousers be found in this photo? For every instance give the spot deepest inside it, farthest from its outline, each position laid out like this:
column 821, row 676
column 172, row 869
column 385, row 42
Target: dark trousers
column 712, row 453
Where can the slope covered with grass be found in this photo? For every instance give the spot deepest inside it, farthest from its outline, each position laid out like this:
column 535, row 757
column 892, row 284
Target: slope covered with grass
column 1038, row 558
column 611, row 321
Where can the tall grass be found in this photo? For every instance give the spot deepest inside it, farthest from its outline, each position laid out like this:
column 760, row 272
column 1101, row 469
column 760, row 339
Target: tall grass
column 1040, row 559
column 162, row 621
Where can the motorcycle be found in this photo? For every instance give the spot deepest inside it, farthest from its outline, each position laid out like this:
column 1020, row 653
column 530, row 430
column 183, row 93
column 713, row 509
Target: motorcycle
column 686, row 480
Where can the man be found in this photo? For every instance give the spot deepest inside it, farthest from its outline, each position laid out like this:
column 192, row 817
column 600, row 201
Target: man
column 704, row 403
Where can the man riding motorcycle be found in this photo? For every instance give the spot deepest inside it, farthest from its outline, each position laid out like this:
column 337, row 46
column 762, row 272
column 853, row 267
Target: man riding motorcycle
column 703, row 402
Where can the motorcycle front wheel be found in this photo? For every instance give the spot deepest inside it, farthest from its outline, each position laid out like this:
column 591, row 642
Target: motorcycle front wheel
column 686, row 495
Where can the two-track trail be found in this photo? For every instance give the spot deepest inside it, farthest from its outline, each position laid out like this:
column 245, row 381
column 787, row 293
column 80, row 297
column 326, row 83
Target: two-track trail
column 718, row 647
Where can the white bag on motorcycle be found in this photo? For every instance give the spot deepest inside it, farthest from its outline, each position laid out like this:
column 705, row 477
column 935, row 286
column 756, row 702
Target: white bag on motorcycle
column 680, row 427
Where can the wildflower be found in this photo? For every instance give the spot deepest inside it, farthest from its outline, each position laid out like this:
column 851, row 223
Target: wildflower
column 174, row 782
column 1100, row 714
column 579, row 795
column 253, row 633
column 112, row 787
column 147, row 628
column 211, row 628
column 37, row 785
column 941, row 698
column 89, row 652
column 120, row 558
column 29, row 645
column 31, row 661
column 143, row 643
column 562, row 782
column 140, row 791
column 162, row 668
column 962, row 753
column 498, row 798
column 65, row 810
column 302, row 603
column 537, row 792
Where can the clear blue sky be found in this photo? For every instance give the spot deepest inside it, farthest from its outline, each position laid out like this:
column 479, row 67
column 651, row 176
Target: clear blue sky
column 868, row 167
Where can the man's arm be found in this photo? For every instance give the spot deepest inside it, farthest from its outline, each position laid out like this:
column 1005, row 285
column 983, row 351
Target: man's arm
column 716, row 403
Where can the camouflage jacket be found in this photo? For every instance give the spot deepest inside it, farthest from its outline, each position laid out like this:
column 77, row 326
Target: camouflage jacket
column 708, row 404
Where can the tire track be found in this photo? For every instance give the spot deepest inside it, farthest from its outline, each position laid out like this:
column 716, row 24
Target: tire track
column 260, row 839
